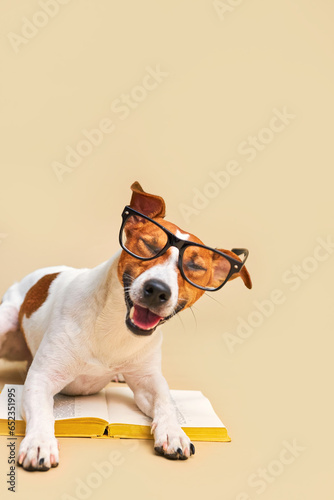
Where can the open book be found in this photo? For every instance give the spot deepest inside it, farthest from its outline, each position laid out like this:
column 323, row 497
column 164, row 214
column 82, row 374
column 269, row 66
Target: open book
column 113, row 412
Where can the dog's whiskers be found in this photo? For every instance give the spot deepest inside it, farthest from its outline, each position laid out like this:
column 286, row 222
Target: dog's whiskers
column 131, row 278
column 192, row 312
column 184, row 329
column 212, row 298
column 176, row 310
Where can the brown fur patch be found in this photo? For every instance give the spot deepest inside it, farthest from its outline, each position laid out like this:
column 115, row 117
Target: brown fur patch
column 244, row 274
column 36, row 296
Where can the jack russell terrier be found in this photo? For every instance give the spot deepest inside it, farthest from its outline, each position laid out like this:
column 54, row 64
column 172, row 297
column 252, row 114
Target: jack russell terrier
column 82, row 328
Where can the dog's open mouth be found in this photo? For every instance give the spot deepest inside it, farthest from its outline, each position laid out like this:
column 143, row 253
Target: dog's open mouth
column 143, row 318
column 140, row 320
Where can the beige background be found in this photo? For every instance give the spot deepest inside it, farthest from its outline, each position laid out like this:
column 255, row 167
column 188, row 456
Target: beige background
column 226, row 74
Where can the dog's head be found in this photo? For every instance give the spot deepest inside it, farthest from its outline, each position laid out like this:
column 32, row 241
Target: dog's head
column 158, row 287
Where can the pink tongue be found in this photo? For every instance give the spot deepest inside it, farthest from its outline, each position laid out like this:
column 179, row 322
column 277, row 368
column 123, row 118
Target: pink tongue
column 144, row 318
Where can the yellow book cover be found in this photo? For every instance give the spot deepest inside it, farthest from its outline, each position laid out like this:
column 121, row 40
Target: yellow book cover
column 113, row 413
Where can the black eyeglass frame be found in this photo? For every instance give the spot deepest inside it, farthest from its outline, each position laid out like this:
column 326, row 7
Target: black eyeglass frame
column 181, row 245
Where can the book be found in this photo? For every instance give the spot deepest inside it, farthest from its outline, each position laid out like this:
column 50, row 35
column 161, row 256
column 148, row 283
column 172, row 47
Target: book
column 113, row 413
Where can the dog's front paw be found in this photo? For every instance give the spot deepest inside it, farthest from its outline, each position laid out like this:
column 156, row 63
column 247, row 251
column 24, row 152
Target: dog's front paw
column 172, row 442
column 38, row 453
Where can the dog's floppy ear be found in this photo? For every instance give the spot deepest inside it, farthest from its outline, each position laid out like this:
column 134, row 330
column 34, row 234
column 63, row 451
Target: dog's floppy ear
column 148, row 204
column 218, row 270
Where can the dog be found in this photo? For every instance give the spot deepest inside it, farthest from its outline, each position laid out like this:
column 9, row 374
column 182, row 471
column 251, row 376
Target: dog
column 79, row 329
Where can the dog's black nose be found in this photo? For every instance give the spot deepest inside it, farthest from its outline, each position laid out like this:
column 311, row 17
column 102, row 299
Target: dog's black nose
column 156, row 292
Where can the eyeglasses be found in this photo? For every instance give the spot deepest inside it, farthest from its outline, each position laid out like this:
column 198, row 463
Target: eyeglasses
column 201, row 266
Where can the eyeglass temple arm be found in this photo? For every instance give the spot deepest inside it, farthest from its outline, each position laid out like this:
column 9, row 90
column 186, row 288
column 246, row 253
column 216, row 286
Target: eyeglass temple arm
column 240, row 251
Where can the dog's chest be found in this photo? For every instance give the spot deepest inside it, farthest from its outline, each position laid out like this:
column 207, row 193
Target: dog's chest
column 87, row 384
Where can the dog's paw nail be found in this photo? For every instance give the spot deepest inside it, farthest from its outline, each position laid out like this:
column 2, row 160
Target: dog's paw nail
column 53, row 461
column 171, row 456
column 159, row 450
column 41, row 462
column 182, row 456
column 192, row 449
column 20, row 459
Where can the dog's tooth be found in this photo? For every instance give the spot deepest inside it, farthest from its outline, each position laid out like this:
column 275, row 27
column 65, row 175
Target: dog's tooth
column 132, row 310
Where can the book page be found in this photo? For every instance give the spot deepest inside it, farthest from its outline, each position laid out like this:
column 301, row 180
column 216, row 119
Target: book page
column 192, row 408
column 65, row 407
column 94, row 406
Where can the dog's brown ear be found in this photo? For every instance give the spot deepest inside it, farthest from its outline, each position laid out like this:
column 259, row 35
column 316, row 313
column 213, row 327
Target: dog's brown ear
column 148, row 204
column 244, row 274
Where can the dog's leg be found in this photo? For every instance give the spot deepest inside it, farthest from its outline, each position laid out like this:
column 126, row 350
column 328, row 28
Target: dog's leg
column 46, row 377
column 9, row 322
column 152, row 396
column 12, row 342
column 9, row 317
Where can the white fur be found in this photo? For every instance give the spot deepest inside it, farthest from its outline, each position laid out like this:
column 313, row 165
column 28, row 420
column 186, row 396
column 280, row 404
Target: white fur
column 79, row 343
column 182, row 236
column 166, row 272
